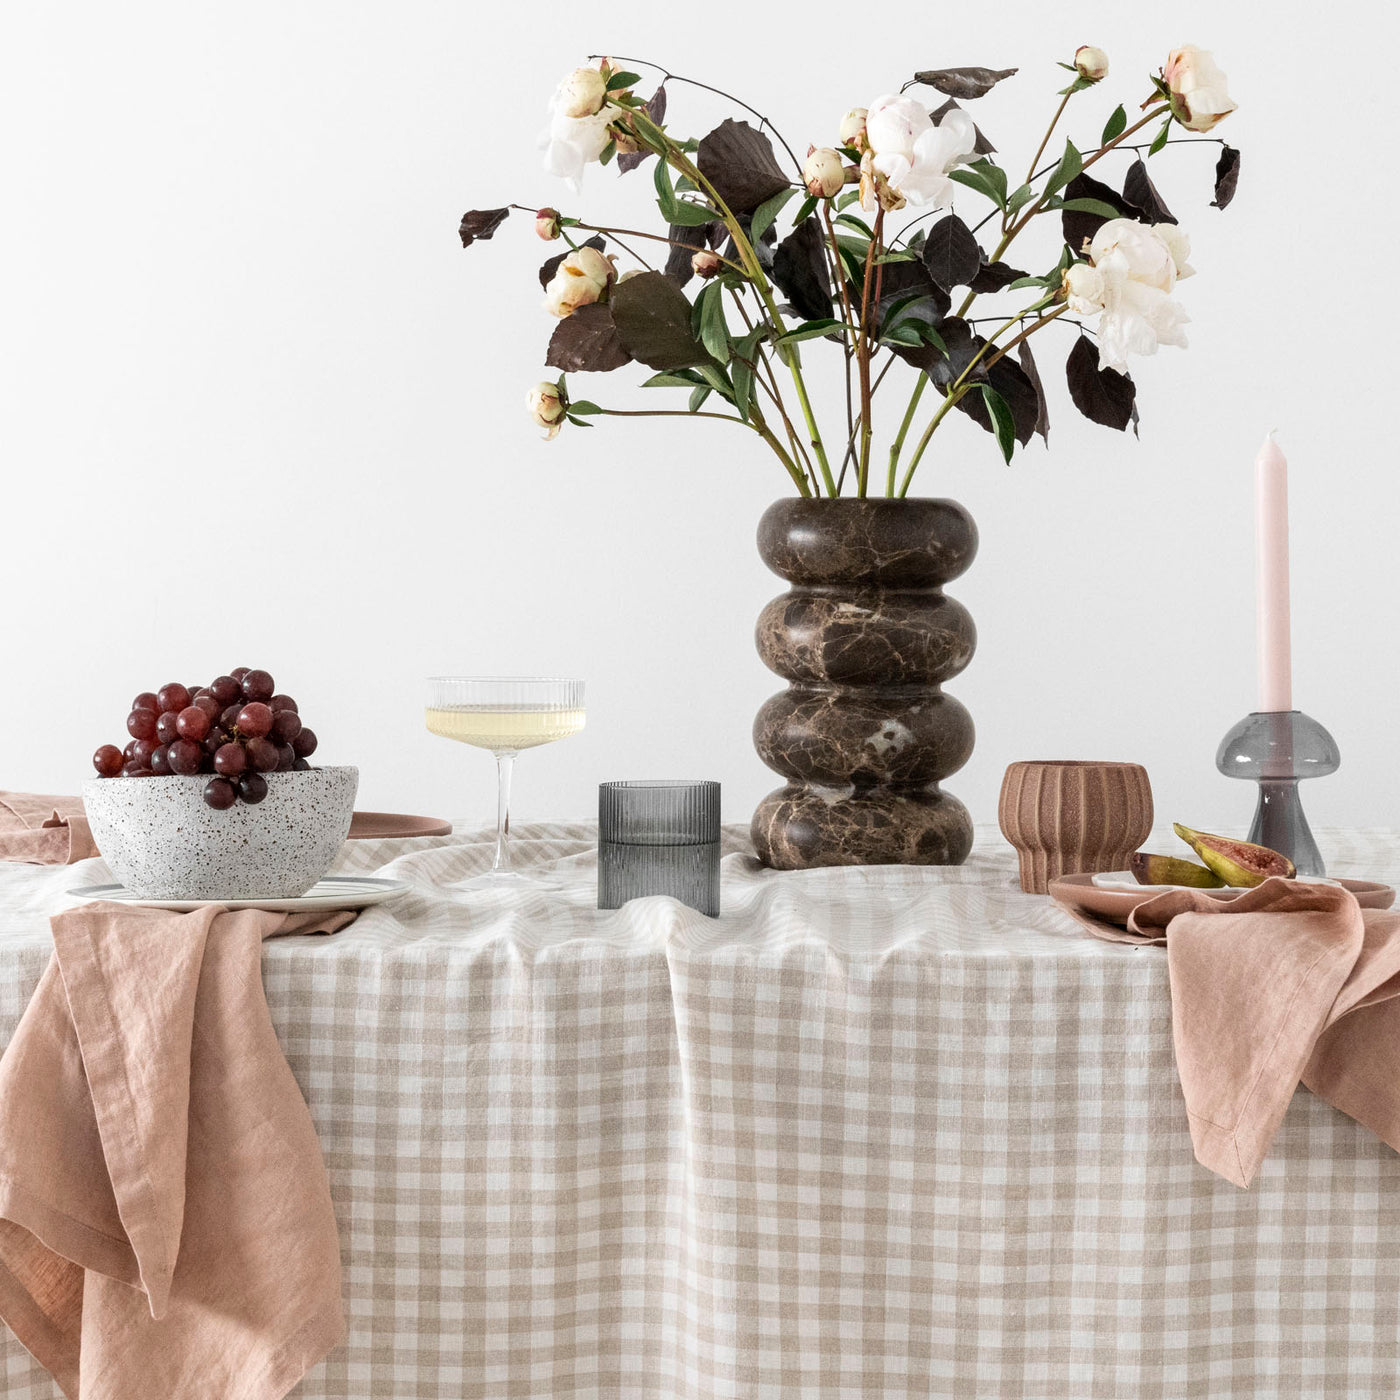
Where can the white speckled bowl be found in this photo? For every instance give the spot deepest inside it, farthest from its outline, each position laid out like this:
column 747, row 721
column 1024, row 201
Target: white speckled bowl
column 162, row 842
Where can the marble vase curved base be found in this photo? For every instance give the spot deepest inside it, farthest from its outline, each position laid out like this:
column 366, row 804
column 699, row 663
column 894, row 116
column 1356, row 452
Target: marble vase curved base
column 864, row 733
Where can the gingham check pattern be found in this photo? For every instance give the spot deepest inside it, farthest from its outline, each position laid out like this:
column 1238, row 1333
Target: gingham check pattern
column 874, row 1133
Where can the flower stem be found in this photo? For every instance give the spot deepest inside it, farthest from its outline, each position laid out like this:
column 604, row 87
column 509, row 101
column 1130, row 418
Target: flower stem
column 898, row 445
column 863, row 352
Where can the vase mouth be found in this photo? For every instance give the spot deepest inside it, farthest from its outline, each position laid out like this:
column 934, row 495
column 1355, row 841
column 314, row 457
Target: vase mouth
column 1076, row 763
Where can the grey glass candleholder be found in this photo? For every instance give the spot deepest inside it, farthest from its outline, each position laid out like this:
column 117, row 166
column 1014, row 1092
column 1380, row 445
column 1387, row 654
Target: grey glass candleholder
column 659, row 838
column 1278, row 749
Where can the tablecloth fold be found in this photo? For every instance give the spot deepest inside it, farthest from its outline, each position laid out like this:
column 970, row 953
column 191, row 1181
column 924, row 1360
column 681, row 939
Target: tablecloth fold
column 1290, row 981
column 44, row 830
column 165, row 1217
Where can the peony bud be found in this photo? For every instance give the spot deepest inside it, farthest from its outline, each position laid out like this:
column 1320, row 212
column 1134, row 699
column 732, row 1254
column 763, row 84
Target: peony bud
column 582, row 93
column 705, row 263
column 1199, row 99
column 546, row 407
column 853, row 128
column 547, row 224
column 1092, row 63
column 580, row 280
column 823, row 172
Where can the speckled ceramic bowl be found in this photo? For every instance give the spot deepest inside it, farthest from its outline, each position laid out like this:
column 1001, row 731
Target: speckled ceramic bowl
column 162, row 842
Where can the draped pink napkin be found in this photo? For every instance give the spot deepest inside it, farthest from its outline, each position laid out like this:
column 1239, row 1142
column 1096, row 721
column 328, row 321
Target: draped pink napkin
column 166, row 1230
column 44, row 830
column 1290, row 981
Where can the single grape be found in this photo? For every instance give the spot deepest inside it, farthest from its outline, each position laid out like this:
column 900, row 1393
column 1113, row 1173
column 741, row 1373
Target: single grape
column 216, row 738
column 301, row 766
column 278, row 703
column 230, row 760
column 141, row 752
column 229, row 718
column 238, row 673
column 262, row 755
column 305, row 743
column 141, row 724
column 173, row 697
column 254, row 720
column 129, row 750
column 160, row 761
column 225, row 690
column 134, row 770
column 258, row 685
column 286, row 725
column 193, row 723
column 146, row 701
column 168, row 726
column 252, row 788
column 286, row 758
column 108, row 761
column 220, row 794
column 208, row 704
column 183, row 756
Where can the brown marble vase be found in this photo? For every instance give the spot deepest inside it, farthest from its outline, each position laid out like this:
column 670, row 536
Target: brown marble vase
column 864, row 734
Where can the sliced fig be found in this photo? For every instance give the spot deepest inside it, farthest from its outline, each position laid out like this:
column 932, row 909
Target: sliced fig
column 1236, row 862
column 1169, row 870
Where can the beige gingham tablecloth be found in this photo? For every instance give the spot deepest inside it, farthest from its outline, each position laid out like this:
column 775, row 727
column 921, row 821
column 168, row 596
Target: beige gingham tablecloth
column 874, row 1133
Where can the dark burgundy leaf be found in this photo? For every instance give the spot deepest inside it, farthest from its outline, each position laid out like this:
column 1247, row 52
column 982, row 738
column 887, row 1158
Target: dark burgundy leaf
column 951, row 253
column 981, row 146
column 656, row 110
column 800, row 270
column 1138, row 187
column 994, row 276
column 1101, row 395
column 902, row 278
column 963, row 346
column 1080, row 227
column 1018, row 390
column 965, row 83
column 1227, row 176
column 691, row 238
column 551, row 265
column 480, row 224
column 1042, row 417
column 719, row 232
column 586, row 340
column 652, row 316
column 739, row 162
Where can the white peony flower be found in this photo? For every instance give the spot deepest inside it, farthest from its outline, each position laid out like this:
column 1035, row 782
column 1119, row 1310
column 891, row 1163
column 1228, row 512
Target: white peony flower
column 823, row 173
column 1199, row 99
column 910, row 155
column 1127, row 283
column 582, row 93
column 1178, row 245
column 580, row 280
column 573, row 140
column 546, row 407
column 1091, row 62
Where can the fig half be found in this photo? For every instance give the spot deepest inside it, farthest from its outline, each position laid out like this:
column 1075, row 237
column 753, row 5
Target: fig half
column 1169, row 870
column 1236, row 862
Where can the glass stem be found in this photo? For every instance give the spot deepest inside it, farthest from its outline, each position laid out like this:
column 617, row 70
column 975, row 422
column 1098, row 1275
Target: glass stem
column 505, row 765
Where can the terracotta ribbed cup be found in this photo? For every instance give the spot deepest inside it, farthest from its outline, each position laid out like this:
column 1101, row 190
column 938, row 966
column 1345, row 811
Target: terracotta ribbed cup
column 1069, row 817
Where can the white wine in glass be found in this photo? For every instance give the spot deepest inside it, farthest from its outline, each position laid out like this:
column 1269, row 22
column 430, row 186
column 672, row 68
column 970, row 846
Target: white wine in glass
column 504, row 715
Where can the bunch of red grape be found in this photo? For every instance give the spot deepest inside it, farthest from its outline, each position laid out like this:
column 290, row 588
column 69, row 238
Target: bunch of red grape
column 235, row 727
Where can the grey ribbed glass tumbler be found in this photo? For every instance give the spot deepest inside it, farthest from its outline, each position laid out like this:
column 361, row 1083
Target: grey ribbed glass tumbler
column 659, row 838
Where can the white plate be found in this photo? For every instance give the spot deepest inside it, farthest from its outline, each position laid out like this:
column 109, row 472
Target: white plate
column 334, row 892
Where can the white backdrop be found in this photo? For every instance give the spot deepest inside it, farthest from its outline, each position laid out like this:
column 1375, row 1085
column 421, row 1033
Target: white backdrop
column 259, row 407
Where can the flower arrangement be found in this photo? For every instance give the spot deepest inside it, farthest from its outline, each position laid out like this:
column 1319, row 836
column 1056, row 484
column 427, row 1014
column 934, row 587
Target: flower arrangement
column 787, row 256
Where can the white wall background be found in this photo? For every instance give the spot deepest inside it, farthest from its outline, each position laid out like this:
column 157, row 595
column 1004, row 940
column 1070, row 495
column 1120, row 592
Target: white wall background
column 258, row 407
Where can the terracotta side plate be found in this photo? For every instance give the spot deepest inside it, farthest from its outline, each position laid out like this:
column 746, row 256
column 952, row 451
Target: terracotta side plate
column 379, row 826
column 1081, row 893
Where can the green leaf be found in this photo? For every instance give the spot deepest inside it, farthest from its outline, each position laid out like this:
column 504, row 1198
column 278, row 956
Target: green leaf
column 766, row 213
column 1003, row 424
column 714, row 333
column 1019, row 198
column 849, row 198
column 805, row 212
column 809, row 330
column 975, row 181
column 1090, row 206
column 897, row 257
column 718, row 381
column 609, row 151
column 579, row 422
column 623, row 80
column 742, row 369
column 665, row 195
column 1115, row 125
column 583, row 406
column 1026, row 282
column 698, row 397
column 860, row 226
column 680, row 379
column 1160, row 139
column 691, row 215
column 1071, row 163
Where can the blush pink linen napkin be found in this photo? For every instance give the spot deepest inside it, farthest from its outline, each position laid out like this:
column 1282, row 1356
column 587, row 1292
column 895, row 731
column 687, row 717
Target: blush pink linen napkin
column 44, row 830
column 166, row 1228
column 1290, row 981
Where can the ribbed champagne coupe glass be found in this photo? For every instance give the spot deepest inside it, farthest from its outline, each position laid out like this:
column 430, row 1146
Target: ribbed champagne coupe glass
column 504, row 714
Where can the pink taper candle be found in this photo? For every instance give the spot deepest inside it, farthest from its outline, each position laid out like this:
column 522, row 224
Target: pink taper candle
column 1271, row 524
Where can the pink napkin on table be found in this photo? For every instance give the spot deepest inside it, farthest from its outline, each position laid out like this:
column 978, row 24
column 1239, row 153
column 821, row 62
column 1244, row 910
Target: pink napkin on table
column 1290, row 981
column 44, row 830
column 166, row 1230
